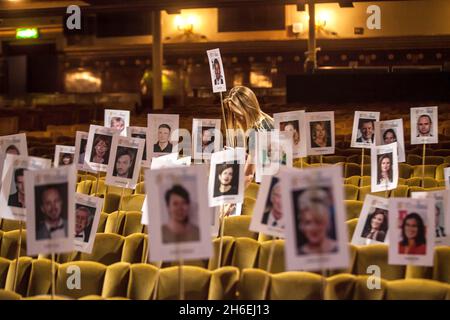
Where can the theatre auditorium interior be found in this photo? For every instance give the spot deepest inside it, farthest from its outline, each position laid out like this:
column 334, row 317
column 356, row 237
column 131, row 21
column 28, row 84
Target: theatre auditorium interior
column 70, row 69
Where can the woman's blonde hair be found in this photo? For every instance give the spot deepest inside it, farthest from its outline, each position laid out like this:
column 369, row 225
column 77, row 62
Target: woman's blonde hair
column 244, row 101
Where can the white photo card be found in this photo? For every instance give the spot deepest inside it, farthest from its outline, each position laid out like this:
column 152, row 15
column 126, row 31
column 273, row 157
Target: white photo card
column 273, row 149
column 124, row 165
column 64, row 155
column 117, row 119
column 391, row 131
column 217, row 71
column 206, row 138
column 411, row 236
column 268, row 216
column 140, row 132
column 293, row 121
column 180, row 225
column 441, row 213
column 81, row 139
column 424, row 125
column 384, row 167
column 50, row 205
column 87, row 217
column 98, row 148
column 162, row 134
column 13, row 191
column 373, row 222
column 363, row 134
column 320, row 135
column 314, row 196
column 12, row 144
column 226, row 177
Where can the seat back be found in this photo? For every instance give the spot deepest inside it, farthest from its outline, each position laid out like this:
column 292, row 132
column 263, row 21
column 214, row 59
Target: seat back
column 377, row 254
column 238, row 226
column 91, row 282
column 196, row 283
column 107, row 249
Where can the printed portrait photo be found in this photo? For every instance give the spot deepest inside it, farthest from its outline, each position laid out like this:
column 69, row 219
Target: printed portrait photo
column 366, row 131
column 315, row 222
column 320, row 134
column 101, row 148
column 292, row 126
column 376, row 225
column 391, row 131
column 413, row 234
column 180, row 218
column 51, row 204
column 65, row 159
column 17, row 190
column 384, row 168
column 142, row 136
column 441, row 206
column 12, row 149
column 218, row 77
column 273, row 214
column 117, row 123
column 373, row 222
column 13, row 202
column 84, row 217
column 424, row 125
column 117, row 119
column 124, row 162
column 205, row 139
column 216, row 70
column 227, row 179
column 389, row 136
column 163, row 144
column 82, row 153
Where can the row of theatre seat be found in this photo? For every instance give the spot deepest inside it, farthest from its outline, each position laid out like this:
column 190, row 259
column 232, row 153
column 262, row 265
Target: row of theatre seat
column 242, row 248
column 239, row 251
column 146, row 282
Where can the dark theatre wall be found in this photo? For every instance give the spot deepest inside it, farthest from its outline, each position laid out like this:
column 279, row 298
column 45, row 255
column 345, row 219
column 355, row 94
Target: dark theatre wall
column 340, row 87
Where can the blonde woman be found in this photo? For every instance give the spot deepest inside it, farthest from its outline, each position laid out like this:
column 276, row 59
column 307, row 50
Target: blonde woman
column 242, row 111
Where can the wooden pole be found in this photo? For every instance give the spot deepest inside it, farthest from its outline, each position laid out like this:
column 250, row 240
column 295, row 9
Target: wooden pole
column 222, row 227
column 98, row 182
column 181, row 279
column 362, row 167
column 117, row 227
column 311, row 61
column 423, row 165
column 19, row 245
column 53, row 276
column 227, row 138
column 157, row 61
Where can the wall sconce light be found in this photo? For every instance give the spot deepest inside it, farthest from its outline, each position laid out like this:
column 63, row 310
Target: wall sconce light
column 185, row 24
column 322, row 18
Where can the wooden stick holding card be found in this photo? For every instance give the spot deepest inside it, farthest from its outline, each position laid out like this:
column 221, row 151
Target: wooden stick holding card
column 19, row 247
